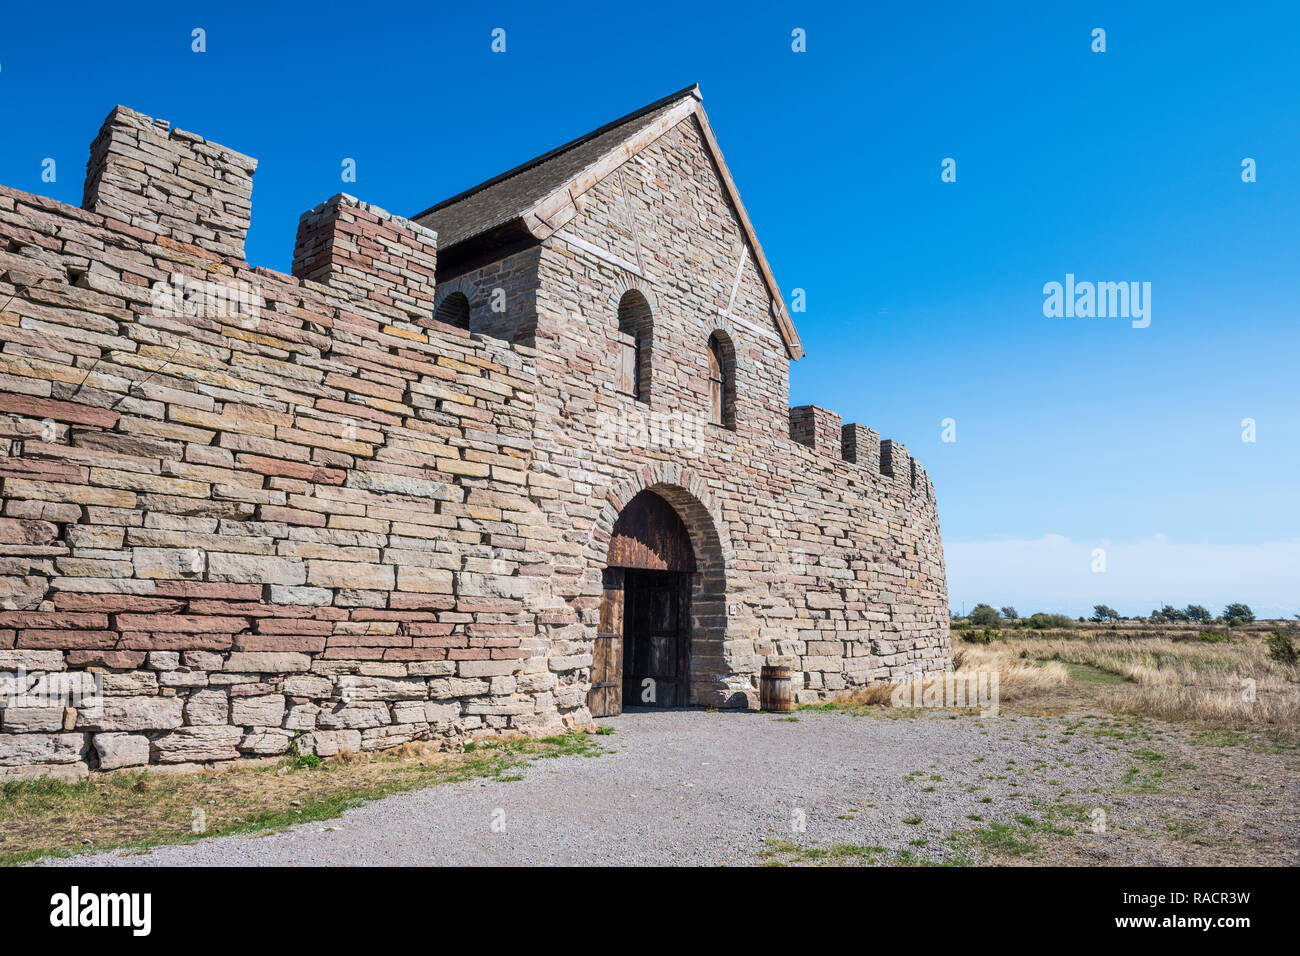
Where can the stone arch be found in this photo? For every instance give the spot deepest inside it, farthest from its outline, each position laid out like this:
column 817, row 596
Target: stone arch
column 719, row 678
column 625, row 282
column 721, row 325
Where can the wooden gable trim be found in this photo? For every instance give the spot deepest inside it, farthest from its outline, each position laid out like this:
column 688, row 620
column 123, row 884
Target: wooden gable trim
column 779, row 313
column 551, row 213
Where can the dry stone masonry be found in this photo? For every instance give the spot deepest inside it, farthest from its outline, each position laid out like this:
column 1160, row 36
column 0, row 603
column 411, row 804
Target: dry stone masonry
column 245, row 511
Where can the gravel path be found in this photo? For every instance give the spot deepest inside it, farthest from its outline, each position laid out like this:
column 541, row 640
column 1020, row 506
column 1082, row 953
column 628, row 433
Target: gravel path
column 697, row 787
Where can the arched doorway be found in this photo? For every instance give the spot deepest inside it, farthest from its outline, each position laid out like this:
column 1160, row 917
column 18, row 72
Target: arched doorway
column 643, row 646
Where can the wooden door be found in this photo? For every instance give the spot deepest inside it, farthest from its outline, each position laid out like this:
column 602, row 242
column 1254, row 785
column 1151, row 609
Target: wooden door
column 605, row 699
column 656, row 640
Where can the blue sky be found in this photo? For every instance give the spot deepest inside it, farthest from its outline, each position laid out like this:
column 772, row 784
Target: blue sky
column 924, row 297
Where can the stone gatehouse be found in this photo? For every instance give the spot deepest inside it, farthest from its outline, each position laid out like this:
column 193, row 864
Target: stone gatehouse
column 408, row 491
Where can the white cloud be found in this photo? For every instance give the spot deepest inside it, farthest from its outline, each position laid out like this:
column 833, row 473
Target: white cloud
column 1053, row 573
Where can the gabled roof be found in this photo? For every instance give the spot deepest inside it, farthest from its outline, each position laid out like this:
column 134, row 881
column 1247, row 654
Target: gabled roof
column 540, row 196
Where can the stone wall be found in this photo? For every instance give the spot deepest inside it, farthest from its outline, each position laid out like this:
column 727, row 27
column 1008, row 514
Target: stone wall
column 261, row 510
column 245, row 511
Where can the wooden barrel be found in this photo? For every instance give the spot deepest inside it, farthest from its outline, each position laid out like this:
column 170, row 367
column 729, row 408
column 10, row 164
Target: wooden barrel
column 774, row 689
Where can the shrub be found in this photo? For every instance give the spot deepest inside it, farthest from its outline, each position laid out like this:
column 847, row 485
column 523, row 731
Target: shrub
column 984, row 615
column 1041, row 621
column 1282, row 648
column 986, row 636
column 1211, row 638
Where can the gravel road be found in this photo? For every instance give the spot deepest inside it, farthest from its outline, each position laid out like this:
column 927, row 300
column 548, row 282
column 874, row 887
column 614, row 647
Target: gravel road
column 697, row 787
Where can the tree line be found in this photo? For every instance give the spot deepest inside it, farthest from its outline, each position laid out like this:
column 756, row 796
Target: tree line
column 1236, row 614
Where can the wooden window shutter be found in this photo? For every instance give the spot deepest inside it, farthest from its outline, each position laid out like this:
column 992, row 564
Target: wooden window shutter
column 628, row 371
column 717, row 388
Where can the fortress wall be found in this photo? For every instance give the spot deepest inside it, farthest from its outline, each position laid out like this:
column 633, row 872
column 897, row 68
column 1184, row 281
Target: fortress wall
column 243, row 511
column 247, row 511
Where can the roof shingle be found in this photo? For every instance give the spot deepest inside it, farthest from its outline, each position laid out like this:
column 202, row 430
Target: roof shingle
column 510, row 195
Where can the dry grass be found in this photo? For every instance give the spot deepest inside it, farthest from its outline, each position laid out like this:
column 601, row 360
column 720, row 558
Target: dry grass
column 1173, row 674
column 1163, row 671
column 139, row 809
column 1018, row 678
column 873, row 695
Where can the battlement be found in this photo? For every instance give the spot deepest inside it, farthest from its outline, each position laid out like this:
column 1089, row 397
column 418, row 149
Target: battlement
column 819, row 429
column 147, row 175
column 816, row 427
column 367, row 253
column 861, row 445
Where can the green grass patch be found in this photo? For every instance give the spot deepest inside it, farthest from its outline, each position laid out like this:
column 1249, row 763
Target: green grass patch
column 1087, row 673
column 137, row 810
column 784, row 852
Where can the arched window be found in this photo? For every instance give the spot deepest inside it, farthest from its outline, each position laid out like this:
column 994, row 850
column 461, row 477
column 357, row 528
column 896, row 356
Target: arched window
column 722, row 381
column 635, row 333
column 454, row 310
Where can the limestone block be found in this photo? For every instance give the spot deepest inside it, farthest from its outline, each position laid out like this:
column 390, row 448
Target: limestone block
column 354, row 716
column 207, row 708
column 22, row 749
column 133, row 713
column 267, row 662
column 382, row 688
column 265, row 743
column 121, row 750
column 266, row 710
column 18, row 719
column 328, row 743
column 197, row 744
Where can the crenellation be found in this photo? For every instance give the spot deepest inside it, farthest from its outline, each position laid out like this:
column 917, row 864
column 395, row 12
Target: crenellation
column 170, row 183
column 818, row 428
column 861, row 445
column 368, row 254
